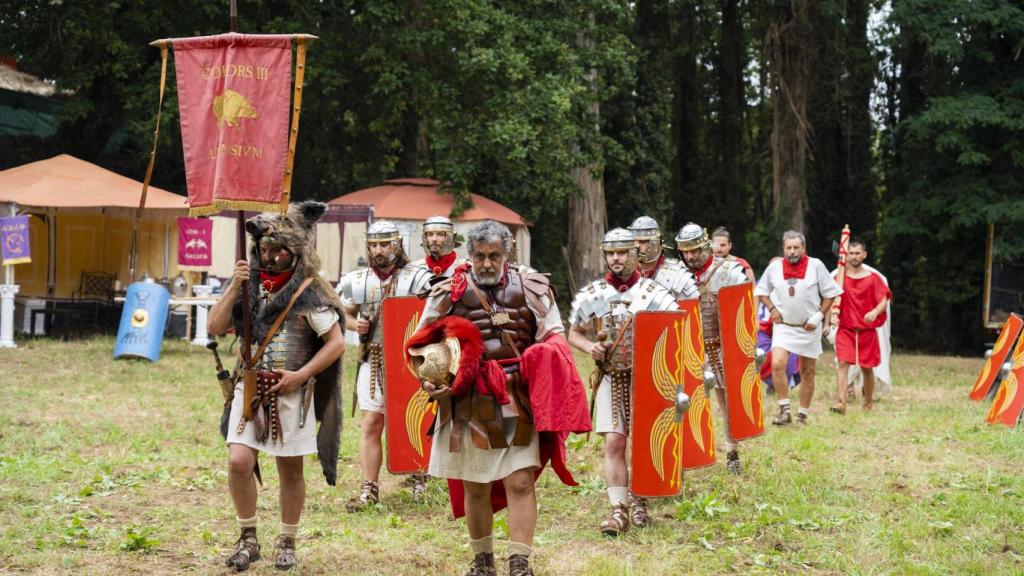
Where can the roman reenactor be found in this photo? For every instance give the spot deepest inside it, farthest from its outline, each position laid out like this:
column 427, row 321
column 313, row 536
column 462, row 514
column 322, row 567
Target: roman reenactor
column 721, row 245
column 602, row 326
column 669, row 272
column 515, row 395
column 710, row 274
column 439, row 242
column 362, row 292
column 865, row 301
column 295, row 321
column 798, row 292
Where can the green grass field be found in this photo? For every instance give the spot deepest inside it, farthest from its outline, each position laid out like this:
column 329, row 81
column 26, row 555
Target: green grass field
column 116, row 467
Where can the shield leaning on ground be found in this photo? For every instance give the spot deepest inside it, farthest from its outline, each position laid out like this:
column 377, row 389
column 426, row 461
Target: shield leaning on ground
column 408, row 413
column 656, row 430
column 737, row 316
column 1009, row 401
column 1004, row 345
column 698, row 430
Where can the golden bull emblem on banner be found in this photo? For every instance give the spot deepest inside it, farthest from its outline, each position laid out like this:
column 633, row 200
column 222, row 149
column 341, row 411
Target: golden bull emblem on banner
column 231, row 106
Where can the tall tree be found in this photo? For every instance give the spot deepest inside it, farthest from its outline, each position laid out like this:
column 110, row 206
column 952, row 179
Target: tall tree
column 686, row 124
column 588, row 214
column 959, row 165
column 730, row 119
column 789, row 45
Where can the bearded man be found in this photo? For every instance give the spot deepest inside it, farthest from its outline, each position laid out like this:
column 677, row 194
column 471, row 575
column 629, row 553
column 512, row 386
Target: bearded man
column 669, row 272
column 710, row 274
column 798, row 292
column 439, row 243
column 497, row 428
column 362, row 292
column 862, row 312
column 606, row 308
column 295, row 316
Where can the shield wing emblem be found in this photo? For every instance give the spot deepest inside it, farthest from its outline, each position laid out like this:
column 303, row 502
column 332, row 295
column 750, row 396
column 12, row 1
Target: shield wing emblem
column 657, row 427
column 1004, row 344
column 698, row 430
column 1009, row 401
column 737, row 315
column 408, row 413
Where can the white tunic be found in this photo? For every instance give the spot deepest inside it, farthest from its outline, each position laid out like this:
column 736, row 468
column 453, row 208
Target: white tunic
column 296, row 441
column 796, row 309
column 471, row 463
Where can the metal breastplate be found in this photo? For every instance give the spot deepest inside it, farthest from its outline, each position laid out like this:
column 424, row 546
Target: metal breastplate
column 617, row 321
column 292, row 347
column 510, row 301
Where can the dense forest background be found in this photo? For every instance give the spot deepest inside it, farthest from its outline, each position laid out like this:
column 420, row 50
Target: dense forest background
column 903, row 118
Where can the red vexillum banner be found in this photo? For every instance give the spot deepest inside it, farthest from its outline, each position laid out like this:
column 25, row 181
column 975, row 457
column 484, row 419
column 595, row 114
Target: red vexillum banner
column 234, row 99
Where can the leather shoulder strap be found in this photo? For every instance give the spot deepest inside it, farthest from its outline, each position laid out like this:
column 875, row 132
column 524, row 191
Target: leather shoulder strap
column 277, row 322
column 487, row 308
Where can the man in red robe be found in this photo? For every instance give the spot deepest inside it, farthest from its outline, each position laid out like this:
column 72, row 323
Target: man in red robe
column 862, row 311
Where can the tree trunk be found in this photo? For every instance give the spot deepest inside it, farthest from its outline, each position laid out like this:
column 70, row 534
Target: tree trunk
column 730, row 92
column 788, row 39
column 587, row 223
column 588, row 216
column 686, row 118
column 860, row 180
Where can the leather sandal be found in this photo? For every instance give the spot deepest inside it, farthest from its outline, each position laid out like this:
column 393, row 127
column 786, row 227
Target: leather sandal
column 247, row 551
column 638, row 514
column 284, row 558
column 483, row 565
column 618, row 522
column 369, row 495
column 519, row 565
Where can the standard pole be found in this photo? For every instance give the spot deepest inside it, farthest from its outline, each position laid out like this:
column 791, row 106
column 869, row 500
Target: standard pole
column 240, row 240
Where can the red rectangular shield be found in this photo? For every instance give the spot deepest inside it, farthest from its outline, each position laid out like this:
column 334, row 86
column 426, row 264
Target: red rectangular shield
column 737, row 315
column 656, row 438
column 698, row 430
column 1004, row 344
column 1009, row 400
column 408, row 413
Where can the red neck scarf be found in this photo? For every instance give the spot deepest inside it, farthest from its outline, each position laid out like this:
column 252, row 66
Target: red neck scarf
column 654, row 270
column 797, row 270
column 439, row 265
column 272, row 282
column 385, row 275
column 460, row 279
column 623, row 285
column 698, row 272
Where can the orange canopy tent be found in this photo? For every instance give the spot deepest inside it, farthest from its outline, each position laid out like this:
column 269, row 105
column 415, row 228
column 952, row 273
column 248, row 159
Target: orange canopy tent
column 84, row 224
column 409, row 201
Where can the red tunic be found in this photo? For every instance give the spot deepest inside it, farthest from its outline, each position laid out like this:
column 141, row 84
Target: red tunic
column 857, row 340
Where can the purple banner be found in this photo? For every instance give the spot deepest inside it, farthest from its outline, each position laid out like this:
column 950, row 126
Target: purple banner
column 14, row 240
column 195, row 236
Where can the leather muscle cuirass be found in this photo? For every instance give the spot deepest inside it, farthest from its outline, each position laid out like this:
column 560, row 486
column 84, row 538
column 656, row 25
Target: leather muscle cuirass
column 509, row 300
